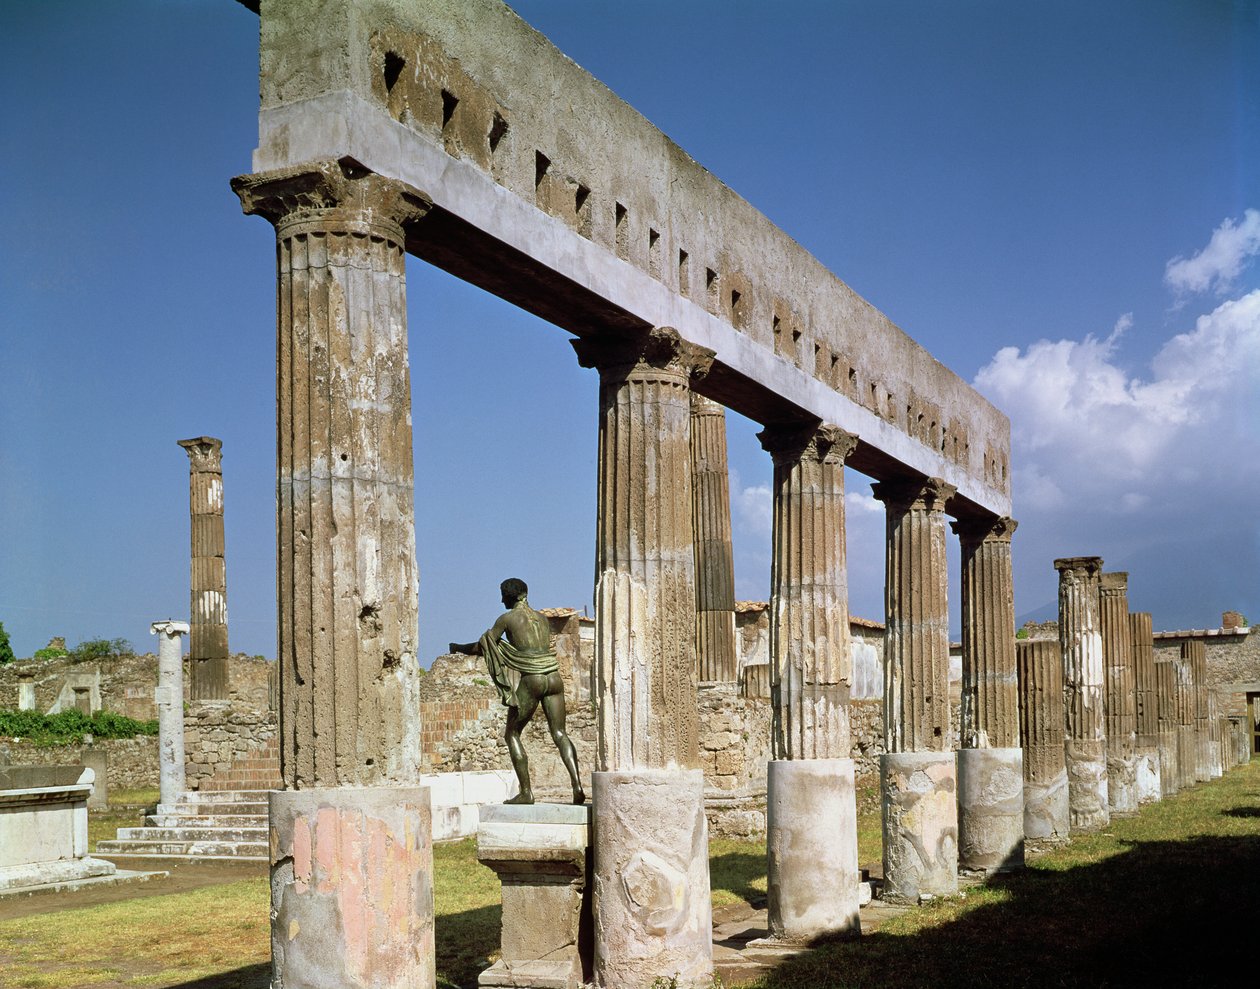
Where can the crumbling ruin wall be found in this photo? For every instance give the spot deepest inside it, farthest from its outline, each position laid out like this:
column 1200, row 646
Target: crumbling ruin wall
column 132, row 762
column 217, row 735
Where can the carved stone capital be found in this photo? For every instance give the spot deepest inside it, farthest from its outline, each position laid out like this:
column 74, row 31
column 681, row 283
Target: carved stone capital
column 822, row 443
column 701, row 406
column 973, row 531
column 204, row 453
column 1082, row 566
column 659, row 350
column 171, row 629
column 928, row 494
column 333, row 195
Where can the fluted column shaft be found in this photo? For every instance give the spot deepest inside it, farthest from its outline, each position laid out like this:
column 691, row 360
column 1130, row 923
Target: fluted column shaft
column 1084, row 697
column 1146, row 687
column 347, row 583
column 1166, row 706
column 1041, row 722
column 208, row 639
column 1121, row 702
column 1196, row 653
column 1187, row 747
column 715, row 568
column 811, row 667
column 990, row 695
column 645, row 603
column 916, row 637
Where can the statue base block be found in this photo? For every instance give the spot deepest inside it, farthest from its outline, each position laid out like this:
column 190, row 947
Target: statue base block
column 540, row 853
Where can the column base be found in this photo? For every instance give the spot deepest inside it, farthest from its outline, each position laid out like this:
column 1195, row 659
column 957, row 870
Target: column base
column 1046, row 808
column 1169, row 771
column 351, row 888
column 920, row 825
column 650, row 890
column 811, row 849
column 991, row 809
column 1148, row 774
column 1122, row 794
column 539, row 853
column 1087, row 784
column 1203, row 757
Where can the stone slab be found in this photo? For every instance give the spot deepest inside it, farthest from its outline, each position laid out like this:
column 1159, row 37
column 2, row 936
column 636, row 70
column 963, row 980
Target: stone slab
column 118, row 878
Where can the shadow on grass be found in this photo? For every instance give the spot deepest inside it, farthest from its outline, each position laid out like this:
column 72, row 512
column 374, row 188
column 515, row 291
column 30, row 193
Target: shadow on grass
column 735, row 872
column 1242, row 812
column 1163, row 913
column 247, row 977
column 463, row 943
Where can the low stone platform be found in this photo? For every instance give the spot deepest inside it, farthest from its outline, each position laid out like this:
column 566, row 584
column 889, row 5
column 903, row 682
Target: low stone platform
column 120, row 877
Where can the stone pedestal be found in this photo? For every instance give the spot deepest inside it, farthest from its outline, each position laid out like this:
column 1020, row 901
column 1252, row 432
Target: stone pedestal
column 920, row 825
column 1084, row 699
column 811, row 847
column 169, row 698
column 991, row 809
column 1040, row 668
column 650, row 894
column 97, row 760
column 351, row 888
column 539, row 853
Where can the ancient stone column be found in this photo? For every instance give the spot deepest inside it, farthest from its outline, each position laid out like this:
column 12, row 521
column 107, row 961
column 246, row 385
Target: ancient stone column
column 1166, row 702
column 715, row 569
column 917, row 773
column 1215, row 767
column 351, row 873
column 1146, row 690
column 1113, row 620
column 990, row 760
column 1040, row 665
column 1187, row 746
column 169, row 698
column 208, row 642
column 651, row 871
column 1084, row 698
column 811, row 807
column 1195, row 653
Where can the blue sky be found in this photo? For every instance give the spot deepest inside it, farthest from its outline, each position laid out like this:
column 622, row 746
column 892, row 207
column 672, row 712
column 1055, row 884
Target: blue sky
column 1053, row 198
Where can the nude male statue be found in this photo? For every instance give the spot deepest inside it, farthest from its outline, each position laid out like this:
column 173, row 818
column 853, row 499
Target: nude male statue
column 528, row 652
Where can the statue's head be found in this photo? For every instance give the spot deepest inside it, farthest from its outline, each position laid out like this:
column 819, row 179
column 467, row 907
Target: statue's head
column 512, row 589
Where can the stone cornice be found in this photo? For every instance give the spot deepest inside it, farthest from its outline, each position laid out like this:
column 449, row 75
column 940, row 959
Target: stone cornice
column 333, row 194
column 659, row 350
column 929, row 494
column 822, row 443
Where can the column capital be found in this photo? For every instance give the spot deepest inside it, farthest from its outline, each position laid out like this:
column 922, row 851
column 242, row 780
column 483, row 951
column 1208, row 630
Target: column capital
column 822, row 443
column 973, row 531
column 337, row 194
column 701, row 406
column 928, row 494
column 204, row 452
column 1114, row 583
column 169, row 628
column 1083, row 566
column 660, row 349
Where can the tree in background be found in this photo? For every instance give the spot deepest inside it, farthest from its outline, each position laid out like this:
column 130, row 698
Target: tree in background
column 6, row 650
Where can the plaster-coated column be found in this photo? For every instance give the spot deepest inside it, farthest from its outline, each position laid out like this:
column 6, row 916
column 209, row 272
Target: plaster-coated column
column 917, row 773
column 1187, row 746
column 811, row 809
column 715, row 569
column 1146, row 690
column 1166, row 705
column 169, row 698
column 208, row 642
column 1040, row 664
column 1084, row 698
column 351, row 870
column 990, row 761
column 650, row 889
column 1113, row 620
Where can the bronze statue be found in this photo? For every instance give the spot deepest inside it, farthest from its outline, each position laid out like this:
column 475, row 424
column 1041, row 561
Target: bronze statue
column 528, row 652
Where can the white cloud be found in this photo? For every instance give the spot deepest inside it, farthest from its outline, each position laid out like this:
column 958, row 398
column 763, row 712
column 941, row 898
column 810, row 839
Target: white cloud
column 753, row 509
column 1221, row 262
column 855, row 501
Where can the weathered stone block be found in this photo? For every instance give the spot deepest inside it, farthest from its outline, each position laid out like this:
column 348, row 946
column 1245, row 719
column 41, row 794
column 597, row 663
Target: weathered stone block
column 1046, row 808
column 920, row 825
column 991, row 809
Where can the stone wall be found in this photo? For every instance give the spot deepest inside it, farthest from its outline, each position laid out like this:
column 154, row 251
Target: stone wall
column 133, row 762
column 216, row 735
column 1233, row 661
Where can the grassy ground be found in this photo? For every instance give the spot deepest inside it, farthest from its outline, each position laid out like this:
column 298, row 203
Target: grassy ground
column 1157, row 900
column 126, row 810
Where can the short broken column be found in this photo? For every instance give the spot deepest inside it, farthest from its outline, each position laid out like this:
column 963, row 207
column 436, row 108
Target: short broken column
column 811, row 802
column 1121, row 702
column 539, row 853
column 1187, row 747
column 351, row 847
column 208, row 641
column 715, row 569
column 169, row 698
column 1166, row 705
column 650, row 884
column 1148, row 773
column 1084, row 698
column 990, row 760
column 1041, row 735
column 917, row 772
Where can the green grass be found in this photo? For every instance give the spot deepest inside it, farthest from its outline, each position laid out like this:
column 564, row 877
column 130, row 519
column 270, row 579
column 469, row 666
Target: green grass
column 126, row 810
column 1161, row 899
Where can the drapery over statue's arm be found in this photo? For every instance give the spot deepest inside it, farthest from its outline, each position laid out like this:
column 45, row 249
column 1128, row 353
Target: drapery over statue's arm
column 502, row 656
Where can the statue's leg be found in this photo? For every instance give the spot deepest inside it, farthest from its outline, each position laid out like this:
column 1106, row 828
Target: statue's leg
column 517, row 719
column 553, row 708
